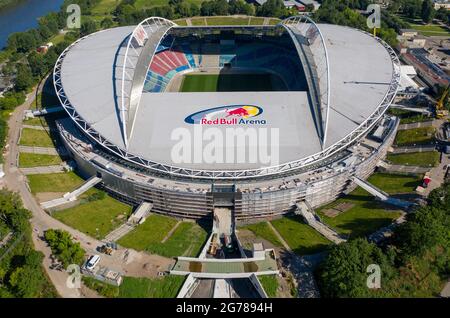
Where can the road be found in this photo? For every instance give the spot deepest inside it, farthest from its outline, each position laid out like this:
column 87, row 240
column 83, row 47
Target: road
column 129, row 262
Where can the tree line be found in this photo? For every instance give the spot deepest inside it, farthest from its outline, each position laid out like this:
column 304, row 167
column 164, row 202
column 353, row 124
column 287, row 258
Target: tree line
column 413, row 263
column 126, row 13
column 21, row 272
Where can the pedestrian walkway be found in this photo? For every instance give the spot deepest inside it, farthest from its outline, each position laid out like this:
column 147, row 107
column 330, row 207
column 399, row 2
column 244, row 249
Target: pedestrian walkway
column 72, row 196
column 383, row 196
column 170, row 232
column 43, row 150
column 416, row 125
column 280, row 238
column 306, row 211
column 398, row 150
column 386, row 231
column 120, row 232
column 402, row 168
column 36, row 127
column 43, row 170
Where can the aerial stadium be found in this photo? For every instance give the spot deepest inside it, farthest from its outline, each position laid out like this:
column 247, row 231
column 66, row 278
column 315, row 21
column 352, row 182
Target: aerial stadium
column 324, row 89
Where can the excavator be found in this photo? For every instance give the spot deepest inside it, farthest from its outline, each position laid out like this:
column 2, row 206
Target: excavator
column 441, row 112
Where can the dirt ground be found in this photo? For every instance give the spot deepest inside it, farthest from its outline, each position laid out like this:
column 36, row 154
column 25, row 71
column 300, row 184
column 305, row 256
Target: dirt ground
column 145, row 265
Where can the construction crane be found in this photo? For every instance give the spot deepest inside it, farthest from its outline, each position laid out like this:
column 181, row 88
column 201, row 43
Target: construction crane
column 441, row 112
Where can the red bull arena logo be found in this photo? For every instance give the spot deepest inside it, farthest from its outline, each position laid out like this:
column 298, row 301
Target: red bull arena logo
column 228, row 115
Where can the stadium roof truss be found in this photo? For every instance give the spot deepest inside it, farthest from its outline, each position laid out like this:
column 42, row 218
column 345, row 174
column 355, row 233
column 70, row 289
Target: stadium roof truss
column 139, row 53
column 313, row 53
column 299, row 24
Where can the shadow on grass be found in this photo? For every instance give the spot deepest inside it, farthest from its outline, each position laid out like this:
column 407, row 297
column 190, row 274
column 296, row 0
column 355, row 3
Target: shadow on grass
column 362, row 227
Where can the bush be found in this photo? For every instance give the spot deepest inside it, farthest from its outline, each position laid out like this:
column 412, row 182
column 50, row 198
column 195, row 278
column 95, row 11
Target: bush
column 63, row 248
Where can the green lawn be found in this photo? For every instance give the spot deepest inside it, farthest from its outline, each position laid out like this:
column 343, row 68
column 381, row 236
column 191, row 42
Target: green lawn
column 274, row 21
column 152, row 231
column 35, row 138
column 430, row 30
column 198, row 21
column 421, row 159
column 301, row 238
column 187, row 240
column 416, row 136
column 37, row 121
column 106, row 7
column 263, row 230
column 270, row 284
column 408, row 117
column 27, row 160
column 256, row 21
column 395, row 183
column 146, row 4
column 104, row 214
column 227, row 82
column 181, row 22
column 56, row 39
column 131, row 287
column 54, row 182
column 364, row 218
column 166, row 287
column 226, row 21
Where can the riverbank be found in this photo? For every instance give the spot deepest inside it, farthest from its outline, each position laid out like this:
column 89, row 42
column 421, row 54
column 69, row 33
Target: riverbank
column 23, row 15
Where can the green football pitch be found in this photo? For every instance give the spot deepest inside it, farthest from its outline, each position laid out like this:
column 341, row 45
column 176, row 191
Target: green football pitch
column 229, row 83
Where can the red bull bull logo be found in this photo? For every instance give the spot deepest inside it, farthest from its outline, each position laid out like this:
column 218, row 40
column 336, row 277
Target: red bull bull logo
column 228, row 115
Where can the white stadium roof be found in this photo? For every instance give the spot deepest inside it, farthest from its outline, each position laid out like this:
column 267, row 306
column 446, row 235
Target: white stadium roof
column 362, row 79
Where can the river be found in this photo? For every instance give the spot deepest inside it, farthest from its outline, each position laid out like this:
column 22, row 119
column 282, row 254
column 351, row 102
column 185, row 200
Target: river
column 24, row 15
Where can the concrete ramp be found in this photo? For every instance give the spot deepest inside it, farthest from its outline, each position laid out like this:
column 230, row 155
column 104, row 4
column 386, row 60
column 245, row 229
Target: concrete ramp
column 306, row 211
column 72, row 196
column 412, row 109
column 371, row 189
column 120, row 232
column 383, row 196
column 141, row 213
column 90, row 183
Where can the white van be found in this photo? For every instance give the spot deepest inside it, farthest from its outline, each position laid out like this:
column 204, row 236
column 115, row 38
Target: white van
column 92, row 262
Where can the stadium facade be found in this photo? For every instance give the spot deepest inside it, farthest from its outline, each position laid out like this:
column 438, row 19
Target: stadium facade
column 330, row 88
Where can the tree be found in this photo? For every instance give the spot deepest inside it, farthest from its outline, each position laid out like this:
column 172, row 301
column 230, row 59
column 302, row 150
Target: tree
column 195, row 10
column 240, row 7
column 24, row 78
column 27, row 280
column 183, row 9
column 37, row 64
column 106, row 23
column 88, row 27
column 62, row 246
column 344, row 271
column 21, row 42
column 427, row 11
